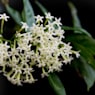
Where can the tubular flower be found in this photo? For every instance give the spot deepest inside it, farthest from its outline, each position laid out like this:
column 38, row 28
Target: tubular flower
column 40, row 48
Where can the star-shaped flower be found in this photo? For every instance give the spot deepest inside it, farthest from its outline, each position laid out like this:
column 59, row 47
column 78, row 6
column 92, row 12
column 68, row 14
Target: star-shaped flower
column 4, row 16
column 39, row 18
column 48, row 16
column 24, row 26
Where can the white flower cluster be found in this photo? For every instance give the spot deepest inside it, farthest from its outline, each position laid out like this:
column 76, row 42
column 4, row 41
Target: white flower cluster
column 41, row 48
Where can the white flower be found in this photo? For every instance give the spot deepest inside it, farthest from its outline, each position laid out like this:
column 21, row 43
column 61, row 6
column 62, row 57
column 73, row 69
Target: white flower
column 57, row 21
column 68, row 60
column 39, row 18
column 48, row 16
column 24, row 26
column 50, row 26
column 4, row 16
column 77, row 54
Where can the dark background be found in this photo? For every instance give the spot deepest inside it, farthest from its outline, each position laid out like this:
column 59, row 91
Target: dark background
column 73, row 84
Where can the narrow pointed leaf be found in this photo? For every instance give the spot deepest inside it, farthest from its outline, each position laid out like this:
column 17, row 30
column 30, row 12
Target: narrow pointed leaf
column 88, row 74
column 86, row 45
column 56, row 84
column 28, row 12
column 76, row 21
column 83, row 31
column 86, row 71
column 14, row 14
column 86, row 64
column 43, row 9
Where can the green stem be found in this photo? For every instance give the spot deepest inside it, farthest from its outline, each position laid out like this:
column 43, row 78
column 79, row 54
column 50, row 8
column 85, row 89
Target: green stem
column 2, row 25
column 19, row 30
column 45, row 22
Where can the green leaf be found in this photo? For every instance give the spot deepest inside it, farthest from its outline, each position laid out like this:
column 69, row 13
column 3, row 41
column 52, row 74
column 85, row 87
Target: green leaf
column 28, row 12
column 14, row 14
column 86, row 45
column 43, row 9
column 56, row 84
column 23, row 16
column 76, row 21
column 86, row 71
column 82, row 31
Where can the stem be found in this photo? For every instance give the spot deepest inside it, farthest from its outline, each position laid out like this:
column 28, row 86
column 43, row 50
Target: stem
column 45, row 22
column 2, row 24
column 20, row 30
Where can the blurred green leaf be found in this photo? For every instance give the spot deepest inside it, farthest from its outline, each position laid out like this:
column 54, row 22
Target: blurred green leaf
column 56, row 84
column 23, row 16
column 28, row 12
column 43, row 9
column 86, row 64
column 14, row 14
column 86, row 71
column 76, row 21
column 82, row 31
column 86, row 45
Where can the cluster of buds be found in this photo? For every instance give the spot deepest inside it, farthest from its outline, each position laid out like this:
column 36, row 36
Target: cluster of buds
column 40, row 47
